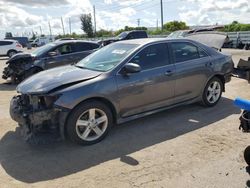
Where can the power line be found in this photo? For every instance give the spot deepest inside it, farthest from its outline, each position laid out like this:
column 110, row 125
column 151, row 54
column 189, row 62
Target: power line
column 122, row 7
column 141, row 8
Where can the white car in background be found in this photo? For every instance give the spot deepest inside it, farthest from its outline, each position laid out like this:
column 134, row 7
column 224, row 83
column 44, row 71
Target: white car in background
column 10, row 47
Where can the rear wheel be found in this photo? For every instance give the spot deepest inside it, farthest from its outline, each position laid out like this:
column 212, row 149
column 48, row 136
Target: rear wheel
column 89, row 123
column 212, row 92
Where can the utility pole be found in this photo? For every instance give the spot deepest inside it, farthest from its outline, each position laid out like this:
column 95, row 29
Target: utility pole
column 41, row 30
column 138, row 22
column 63, row 26
column 69, row 26
column 157, row 24
column 50, row 32
column 94, row 19
column 161, row 15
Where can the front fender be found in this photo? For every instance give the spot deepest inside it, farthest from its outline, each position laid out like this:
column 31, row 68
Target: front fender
column 95, row 88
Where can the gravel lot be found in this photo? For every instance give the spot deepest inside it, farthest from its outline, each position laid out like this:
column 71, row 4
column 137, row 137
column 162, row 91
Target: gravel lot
column 189, row 146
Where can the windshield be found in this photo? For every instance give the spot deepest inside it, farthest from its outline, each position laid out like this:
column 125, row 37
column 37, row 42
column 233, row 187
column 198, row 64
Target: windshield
column 107, row 58
column 122, row 35
column 39, row 51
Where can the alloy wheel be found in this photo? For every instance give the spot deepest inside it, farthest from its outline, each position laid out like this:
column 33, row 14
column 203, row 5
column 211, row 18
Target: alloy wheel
column 91, row 124
column 213, row 92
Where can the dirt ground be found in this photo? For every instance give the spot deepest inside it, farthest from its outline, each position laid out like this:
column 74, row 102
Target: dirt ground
column 189, row 146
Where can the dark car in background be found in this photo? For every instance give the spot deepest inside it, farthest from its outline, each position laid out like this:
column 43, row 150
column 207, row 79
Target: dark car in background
column 126, row 35
column 49, row 56
column 24, row 41
column 120, row 82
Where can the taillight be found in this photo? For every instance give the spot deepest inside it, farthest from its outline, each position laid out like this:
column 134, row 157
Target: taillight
column 18, row 45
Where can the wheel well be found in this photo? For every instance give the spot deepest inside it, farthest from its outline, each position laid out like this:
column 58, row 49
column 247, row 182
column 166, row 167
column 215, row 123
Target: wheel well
column 100, row 99
column 106, row 102
column 37, row 68
column 11, row 50
column 221, row 77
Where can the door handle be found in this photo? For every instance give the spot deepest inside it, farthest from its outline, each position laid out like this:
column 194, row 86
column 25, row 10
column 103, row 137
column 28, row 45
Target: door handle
column 168, row 73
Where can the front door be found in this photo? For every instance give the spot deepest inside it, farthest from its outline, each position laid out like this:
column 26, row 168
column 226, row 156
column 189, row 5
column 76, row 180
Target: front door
column 152, row 87
column 64, row 56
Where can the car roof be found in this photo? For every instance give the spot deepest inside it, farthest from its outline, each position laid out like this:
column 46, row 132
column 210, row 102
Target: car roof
column 144, row 41
column 8, row 40
column 73, row 41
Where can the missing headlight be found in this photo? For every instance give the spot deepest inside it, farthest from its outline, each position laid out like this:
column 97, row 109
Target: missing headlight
column 49, row 100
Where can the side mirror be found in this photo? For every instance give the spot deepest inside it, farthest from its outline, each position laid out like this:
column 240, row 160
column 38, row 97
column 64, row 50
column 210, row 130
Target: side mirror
column 131, row 68
column 52, row 54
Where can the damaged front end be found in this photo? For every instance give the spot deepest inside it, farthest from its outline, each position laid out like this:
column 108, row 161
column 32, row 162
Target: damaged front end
column 38, row 118
column 17, row 66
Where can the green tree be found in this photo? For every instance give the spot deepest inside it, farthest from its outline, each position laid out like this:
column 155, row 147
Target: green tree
column 104, row 33
column 174, row 26
column 127, row 28
column 236, row 26
column 86, row 24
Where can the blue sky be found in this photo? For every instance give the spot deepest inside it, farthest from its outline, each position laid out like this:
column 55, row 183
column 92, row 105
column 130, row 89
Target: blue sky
column 23, row 16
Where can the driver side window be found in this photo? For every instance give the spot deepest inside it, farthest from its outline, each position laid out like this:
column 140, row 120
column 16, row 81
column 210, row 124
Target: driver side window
column 152, row 56
column 64, row 49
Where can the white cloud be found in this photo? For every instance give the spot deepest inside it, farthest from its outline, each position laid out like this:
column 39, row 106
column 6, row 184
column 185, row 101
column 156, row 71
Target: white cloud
column 215, row 11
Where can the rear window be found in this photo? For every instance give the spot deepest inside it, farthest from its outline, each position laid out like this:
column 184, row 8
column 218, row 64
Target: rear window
column 85, row 46
column 184, row 51
column 5, row 43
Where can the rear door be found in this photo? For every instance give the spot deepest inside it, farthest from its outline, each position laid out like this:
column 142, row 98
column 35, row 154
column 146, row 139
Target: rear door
column 151, row 88
column 64, row 56
column 83, row 49
column 193, row 68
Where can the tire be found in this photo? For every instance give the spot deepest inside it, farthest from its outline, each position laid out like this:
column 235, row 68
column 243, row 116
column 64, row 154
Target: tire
column 11, row 53
column 212, row 92
column 247, row 155
column 85, row 132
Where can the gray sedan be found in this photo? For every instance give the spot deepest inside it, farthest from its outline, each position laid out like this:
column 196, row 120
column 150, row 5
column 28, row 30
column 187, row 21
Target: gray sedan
column 118, row 83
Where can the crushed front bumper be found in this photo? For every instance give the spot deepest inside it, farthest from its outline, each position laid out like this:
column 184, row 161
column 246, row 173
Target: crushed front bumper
column 7, row 72
column 38, row 125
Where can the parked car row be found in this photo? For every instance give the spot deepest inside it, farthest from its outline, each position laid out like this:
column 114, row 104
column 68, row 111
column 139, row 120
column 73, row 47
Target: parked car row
column 58, row 53
column 117, row 83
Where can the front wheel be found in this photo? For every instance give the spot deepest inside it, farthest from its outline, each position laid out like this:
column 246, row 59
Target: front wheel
column 89, row 123
column 212, row 92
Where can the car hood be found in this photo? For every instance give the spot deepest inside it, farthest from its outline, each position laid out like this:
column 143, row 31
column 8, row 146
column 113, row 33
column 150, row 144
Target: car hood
column 46, row 81
column 18, row 56
column 211, row 39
